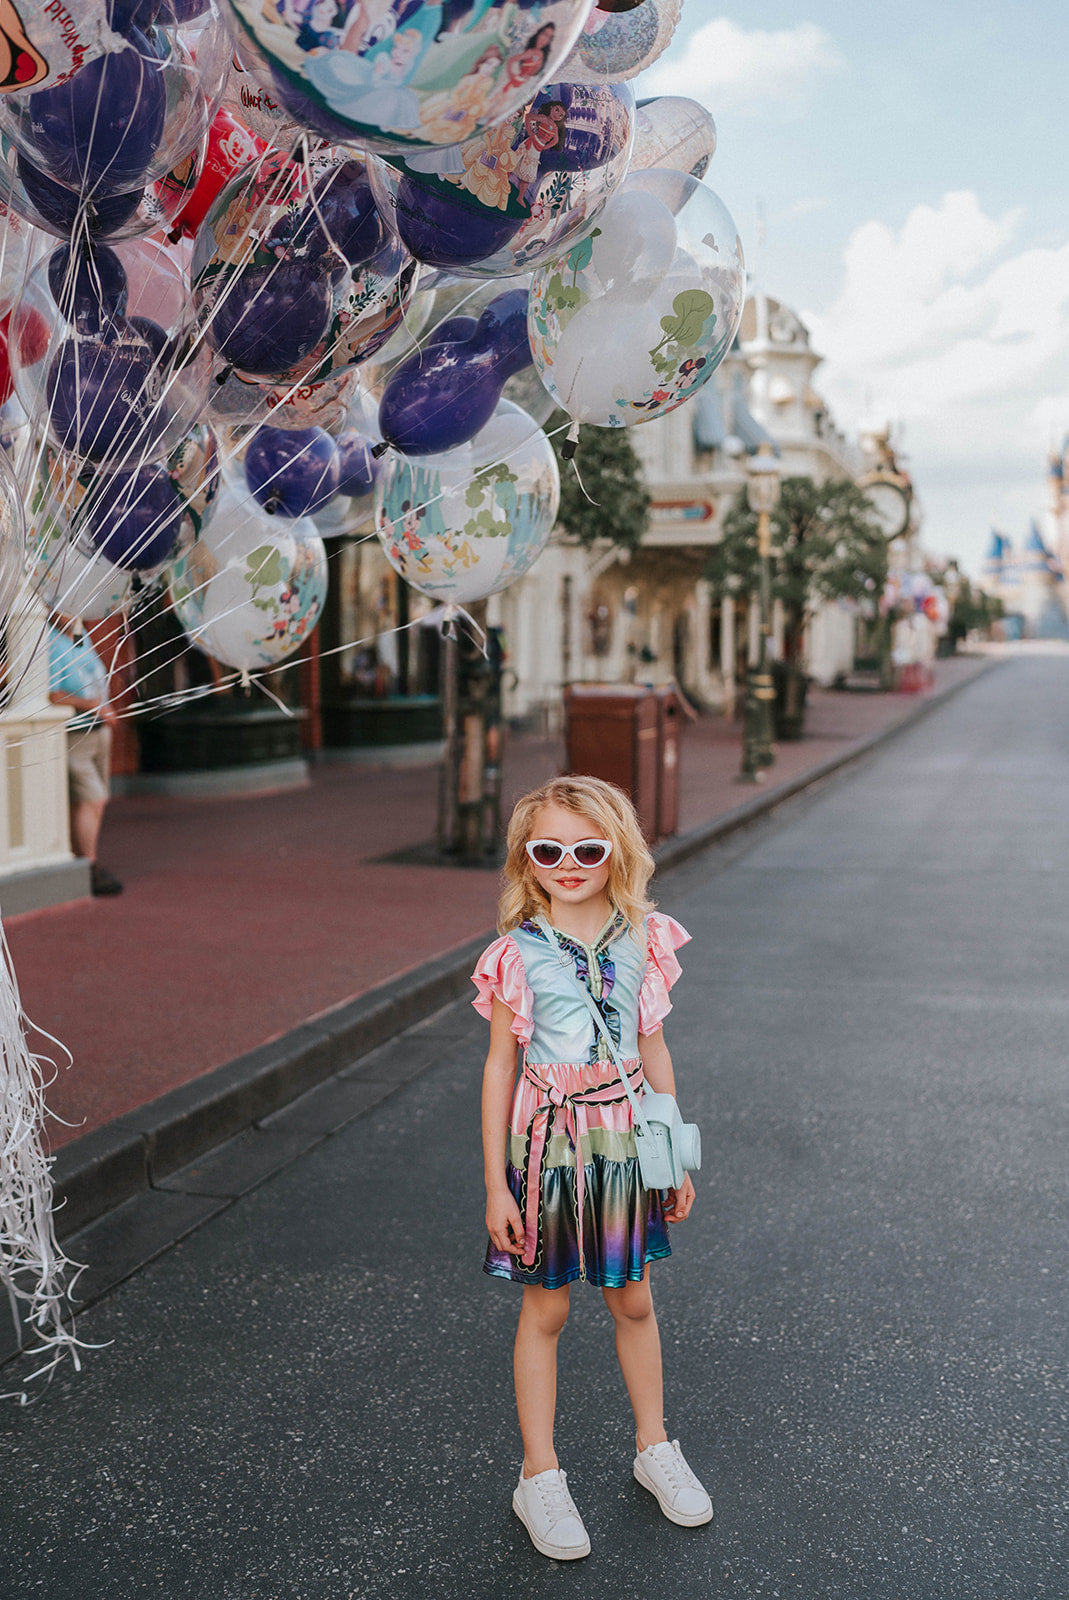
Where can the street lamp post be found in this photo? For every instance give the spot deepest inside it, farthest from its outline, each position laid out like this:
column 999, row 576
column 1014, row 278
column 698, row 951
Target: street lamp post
column 762, row 492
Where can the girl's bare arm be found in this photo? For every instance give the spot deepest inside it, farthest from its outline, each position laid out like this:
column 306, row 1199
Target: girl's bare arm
column 503, row 1221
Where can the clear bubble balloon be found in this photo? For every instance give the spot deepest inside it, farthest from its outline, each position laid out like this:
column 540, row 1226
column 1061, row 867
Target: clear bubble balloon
column 61, row 209
column 45, row 44
column 123, row 119
column 264, row 292
column 12, row 536
column 353, row 506
column 66, row 571
column 387, row 75
column 639, row 315
column 619, row 45
column 441, row 396
column 250, row 590
column 252, row 103
column 674, row 132
column 247, row 402
column 463, row 526
column 194, row 468
column 371, row 298
column 292, row 472
column 78, row 582
column 518, row 193
column 102, row 352
column 19, row 246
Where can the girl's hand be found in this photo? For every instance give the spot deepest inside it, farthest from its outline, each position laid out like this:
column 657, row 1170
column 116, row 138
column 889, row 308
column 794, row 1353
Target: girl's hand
column 677, row 1207
column 504, row 1224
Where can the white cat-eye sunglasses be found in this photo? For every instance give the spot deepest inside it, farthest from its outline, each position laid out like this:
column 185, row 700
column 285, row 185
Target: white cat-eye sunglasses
column 585, row 852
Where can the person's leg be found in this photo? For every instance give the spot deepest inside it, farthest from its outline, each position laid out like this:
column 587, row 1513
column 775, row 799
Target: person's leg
column 86, row 818
column 638, row 1349
column 542, row 1317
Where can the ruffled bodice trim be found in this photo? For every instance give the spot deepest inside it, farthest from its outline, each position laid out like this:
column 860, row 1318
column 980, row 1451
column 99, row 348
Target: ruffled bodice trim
column 664, row 935
column 500, row 974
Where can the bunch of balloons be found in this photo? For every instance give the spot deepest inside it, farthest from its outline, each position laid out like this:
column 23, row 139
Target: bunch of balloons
column 274, row 270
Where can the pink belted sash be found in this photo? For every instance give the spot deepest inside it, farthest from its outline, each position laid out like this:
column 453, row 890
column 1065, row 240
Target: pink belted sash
column 573, row 1106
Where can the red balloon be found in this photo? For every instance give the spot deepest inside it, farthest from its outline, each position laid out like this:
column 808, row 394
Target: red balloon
column 5, row 364
column 33, row 335
column 230, row 147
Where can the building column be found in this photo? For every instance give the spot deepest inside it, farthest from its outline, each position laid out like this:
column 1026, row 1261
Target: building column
column 727, row 653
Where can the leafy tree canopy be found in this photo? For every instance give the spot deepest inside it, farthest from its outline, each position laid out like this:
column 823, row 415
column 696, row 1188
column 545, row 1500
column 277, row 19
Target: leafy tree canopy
column 611, row 475
column 826, row 545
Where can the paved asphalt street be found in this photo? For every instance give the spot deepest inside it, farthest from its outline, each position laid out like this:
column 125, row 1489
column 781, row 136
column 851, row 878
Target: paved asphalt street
column 864, row 1323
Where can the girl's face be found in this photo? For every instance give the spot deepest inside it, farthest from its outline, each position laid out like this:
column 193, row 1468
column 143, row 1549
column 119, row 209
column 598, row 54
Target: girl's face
column 566, row 883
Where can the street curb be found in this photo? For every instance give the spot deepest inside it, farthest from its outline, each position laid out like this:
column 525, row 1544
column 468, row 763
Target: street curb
column 98, row 1172
column 136, row 1151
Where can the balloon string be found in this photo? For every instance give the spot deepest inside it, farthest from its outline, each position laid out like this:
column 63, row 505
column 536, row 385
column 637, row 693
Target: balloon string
column 449, row 630
column 582, row 485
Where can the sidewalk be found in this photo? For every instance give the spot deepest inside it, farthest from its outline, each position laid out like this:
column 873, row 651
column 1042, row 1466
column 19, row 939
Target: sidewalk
column 243, row 918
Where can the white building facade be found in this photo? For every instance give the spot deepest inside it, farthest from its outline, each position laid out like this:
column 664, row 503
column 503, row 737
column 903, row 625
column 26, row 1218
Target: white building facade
column 606, row 615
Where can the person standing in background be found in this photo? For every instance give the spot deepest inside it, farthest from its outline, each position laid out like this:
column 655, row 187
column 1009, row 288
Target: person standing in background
column 78, row 678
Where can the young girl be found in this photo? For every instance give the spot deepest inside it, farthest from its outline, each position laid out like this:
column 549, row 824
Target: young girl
column 564, row 1198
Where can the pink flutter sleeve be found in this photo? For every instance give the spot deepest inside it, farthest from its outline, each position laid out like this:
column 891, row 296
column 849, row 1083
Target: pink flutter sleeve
column 663, row 938
column 500, row 974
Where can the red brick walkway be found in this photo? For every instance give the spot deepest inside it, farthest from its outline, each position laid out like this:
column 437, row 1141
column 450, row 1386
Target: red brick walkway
column 244, row 917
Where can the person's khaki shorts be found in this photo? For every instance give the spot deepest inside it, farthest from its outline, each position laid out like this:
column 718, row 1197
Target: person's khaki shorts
column 88, row 754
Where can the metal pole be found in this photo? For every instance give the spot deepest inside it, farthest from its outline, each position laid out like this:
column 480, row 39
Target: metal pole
column 764, row 689
column 757, row 753
column 447, row 772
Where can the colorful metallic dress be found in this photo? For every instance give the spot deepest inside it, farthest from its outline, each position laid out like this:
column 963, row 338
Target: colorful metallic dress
column 590, row 1218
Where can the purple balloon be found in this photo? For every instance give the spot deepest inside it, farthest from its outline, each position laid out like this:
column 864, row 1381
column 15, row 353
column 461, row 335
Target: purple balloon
column 123, row 15
column 292, row 470
column 443, row 394
column 446, row 232
column 92, row 293
column 269, row 319
column 99, row 131
column 152, row 333
column 61, row 206
column 358, row 467
column 344, row 216
column 134, row 518
column 104, row 396
column 451, row 331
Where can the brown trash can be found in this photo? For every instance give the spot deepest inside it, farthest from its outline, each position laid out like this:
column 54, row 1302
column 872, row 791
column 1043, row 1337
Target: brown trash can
column 612, row 733
column 669, row 727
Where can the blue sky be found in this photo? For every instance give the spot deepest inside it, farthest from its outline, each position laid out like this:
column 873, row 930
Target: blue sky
column 909, row 163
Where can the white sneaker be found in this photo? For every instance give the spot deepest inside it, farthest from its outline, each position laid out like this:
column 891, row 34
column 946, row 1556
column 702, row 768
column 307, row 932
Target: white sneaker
column 548, row 1512
column 662, row 1470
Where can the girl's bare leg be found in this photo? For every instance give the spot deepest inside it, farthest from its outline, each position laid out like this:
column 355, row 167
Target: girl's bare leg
column 542, row 1316
column 638, row 1349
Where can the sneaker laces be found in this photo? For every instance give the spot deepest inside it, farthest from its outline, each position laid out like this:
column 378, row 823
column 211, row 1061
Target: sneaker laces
column 669, row 1458
column 556, row 1501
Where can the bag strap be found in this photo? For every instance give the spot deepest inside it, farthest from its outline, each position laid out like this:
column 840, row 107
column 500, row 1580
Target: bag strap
column 599, row 1023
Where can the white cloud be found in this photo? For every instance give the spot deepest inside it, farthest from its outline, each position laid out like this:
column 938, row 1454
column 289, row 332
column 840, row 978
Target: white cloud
column 939, row 325
column 730, row 68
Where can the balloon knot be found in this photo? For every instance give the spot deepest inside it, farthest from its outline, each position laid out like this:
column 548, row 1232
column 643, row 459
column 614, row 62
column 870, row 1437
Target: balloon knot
column 567, row 449
column 380, row 449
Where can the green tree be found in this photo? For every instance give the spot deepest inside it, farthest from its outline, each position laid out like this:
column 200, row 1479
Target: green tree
column 972, row 610
column 826, row 545
column 615, row 503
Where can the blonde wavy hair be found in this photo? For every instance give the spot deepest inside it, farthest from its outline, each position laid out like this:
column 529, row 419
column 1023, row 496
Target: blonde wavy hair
column 612, row 814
